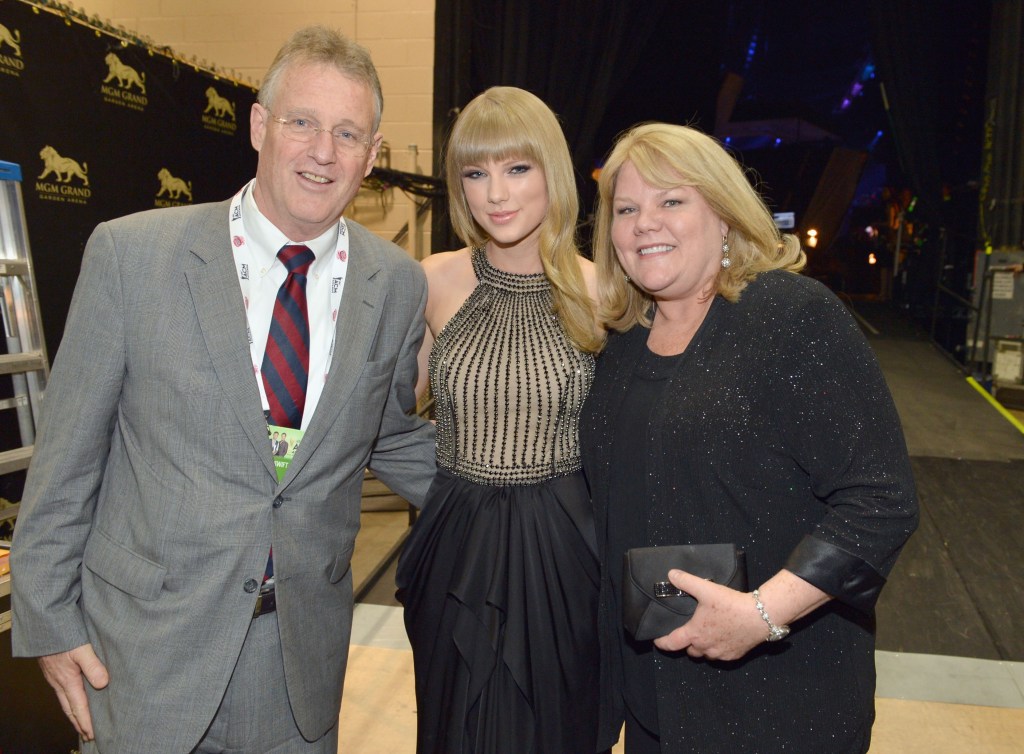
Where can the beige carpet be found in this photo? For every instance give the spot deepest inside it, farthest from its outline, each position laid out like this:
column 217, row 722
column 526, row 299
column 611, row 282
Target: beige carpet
column 378, row 714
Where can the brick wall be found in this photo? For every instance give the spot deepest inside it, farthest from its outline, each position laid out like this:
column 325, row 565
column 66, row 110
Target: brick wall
column 243, row 35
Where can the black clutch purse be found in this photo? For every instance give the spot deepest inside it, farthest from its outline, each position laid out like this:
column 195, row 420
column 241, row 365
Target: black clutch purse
column 651, row 605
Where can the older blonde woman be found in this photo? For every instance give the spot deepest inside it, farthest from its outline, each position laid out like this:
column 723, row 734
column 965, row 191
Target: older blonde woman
column 735, row 402
column 500, row 577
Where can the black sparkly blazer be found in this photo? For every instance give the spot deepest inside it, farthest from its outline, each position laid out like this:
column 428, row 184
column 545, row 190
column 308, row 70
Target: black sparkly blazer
column 778, row 433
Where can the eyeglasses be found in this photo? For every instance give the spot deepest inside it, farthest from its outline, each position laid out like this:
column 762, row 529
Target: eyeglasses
column 302, row 129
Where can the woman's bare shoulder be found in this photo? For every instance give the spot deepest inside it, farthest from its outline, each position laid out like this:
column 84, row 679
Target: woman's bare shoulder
column 450, row 281
column 449, row 267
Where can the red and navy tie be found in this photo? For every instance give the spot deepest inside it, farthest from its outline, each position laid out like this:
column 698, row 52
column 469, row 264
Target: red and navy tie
column 286, row 360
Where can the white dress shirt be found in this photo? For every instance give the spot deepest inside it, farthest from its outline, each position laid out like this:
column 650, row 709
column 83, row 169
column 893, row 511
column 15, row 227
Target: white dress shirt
column 265, row 240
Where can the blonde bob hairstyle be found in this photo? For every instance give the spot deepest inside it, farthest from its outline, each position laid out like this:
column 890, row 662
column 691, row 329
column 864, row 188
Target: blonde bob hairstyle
column 667, row 156
column 504, row 123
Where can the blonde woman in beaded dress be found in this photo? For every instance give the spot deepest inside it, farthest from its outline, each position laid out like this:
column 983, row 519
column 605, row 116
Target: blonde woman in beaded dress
column 499, row 577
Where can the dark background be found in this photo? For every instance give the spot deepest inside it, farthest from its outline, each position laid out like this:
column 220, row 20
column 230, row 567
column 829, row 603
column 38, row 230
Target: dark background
column 807, row 113
column 602, row 65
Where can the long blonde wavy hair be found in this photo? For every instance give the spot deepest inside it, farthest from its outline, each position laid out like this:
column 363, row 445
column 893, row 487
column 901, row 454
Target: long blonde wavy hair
column 665, row 156
column 503, row 123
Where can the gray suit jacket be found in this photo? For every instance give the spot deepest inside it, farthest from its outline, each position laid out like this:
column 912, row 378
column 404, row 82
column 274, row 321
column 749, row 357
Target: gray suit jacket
column 152, row 500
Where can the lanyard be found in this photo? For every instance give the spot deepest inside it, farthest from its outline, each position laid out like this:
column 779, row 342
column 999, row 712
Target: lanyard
column 245, row 261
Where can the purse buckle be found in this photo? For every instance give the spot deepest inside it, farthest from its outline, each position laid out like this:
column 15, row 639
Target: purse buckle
column 664, row 589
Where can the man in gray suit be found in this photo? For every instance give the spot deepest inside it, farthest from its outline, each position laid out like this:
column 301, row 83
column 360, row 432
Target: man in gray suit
column 138, row 560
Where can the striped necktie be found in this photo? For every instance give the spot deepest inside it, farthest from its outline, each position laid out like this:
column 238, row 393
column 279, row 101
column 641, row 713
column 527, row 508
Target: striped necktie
column 286, row 360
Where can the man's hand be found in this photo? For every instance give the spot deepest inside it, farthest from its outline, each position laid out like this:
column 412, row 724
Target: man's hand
column 64, row 672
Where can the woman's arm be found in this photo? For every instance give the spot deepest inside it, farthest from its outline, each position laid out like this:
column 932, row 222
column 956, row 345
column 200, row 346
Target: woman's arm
column 450, row 281
column 842, row 428
column 837, row 421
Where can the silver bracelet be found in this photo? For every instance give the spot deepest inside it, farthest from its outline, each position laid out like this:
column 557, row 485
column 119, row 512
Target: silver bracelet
column 775, row 633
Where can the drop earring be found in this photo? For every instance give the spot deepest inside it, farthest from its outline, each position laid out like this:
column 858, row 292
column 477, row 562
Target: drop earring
column 726, row 262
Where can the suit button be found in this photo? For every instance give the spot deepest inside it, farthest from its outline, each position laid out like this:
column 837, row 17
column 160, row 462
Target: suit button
column 278, row 501
column 250, row 585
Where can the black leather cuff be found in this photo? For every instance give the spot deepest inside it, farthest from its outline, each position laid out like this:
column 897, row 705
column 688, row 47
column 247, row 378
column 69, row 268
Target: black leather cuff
column 845, row 576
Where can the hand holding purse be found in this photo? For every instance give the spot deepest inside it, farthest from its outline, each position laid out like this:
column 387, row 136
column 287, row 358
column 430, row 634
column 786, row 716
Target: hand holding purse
column 651, row 605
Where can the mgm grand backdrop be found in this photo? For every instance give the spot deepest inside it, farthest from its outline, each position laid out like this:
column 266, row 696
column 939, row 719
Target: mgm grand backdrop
column 104, row 124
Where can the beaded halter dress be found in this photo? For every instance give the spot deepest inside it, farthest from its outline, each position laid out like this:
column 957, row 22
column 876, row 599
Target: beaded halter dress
column 499, row 576
column 508, row 385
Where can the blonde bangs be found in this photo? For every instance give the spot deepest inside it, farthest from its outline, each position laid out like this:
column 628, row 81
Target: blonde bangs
column 491, row 140
column 493, row 133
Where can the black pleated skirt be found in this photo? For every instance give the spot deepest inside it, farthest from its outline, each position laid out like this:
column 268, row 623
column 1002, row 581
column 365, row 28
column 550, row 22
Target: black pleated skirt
column 500, row 591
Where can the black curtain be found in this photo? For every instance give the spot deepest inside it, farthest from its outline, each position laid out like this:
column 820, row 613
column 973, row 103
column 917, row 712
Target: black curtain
column 906, row 33
column 1002, row 182
column 931, row 57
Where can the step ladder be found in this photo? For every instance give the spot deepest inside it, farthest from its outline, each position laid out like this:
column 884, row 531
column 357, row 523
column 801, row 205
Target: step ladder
column 25, row 361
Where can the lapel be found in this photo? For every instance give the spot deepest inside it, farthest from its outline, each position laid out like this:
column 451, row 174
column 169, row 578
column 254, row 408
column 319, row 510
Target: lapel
column 221, row 314
column 362, row 304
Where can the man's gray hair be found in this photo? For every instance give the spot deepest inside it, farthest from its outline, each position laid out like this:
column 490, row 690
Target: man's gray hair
column 318, row 44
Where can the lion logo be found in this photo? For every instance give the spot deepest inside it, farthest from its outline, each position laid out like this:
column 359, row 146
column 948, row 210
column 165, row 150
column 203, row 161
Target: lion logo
column 220, row 105
column 173, row 187
column 64, row 168
column 125, row 74
column 12, row 40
